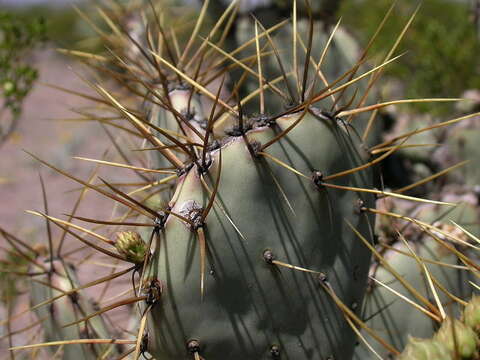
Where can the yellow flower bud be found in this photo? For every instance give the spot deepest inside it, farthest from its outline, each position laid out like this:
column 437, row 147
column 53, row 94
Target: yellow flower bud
column 131, row 245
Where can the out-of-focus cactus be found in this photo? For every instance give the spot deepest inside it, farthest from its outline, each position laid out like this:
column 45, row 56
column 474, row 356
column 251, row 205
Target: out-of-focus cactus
column 463, row 145
column 393, row 317
column 68, row 309
column 342, row 55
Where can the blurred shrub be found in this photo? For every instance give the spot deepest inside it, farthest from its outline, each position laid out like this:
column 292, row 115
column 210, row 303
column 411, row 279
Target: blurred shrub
column 442, row 58
column 17, row 38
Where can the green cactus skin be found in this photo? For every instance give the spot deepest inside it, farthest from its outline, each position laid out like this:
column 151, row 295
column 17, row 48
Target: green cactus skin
column 249, row 305
column 463, row 144
column 192, row 108
column 465, row 214
column 66, row 310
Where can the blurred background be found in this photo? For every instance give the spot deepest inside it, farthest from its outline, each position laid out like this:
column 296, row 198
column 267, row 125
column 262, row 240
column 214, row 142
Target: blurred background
column 442, row 60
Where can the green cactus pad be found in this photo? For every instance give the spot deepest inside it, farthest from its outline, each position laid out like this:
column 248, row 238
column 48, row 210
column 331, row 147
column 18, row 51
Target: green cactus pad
column 250, row 305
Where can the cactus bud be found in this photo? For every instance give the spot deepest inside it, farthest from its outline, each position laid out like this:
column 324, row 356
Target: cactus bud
column 131, row 245
column 471, row 314
column 424, row 349
column 465, row 339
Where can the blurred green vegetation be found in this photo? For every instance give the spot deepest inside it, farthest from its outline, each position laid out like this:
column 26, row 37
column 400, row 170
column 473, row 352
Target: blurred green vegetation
column 442, row 58
column 18, row 37
column 60, row 22
column 22, row 31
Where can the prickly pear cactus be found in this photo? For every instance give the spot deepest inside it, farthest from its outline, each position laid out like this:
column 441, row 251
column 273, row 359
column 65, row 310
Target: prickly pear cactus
column 59, row 317
column 221, row 287
column 462, row 145
column 252, row 232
